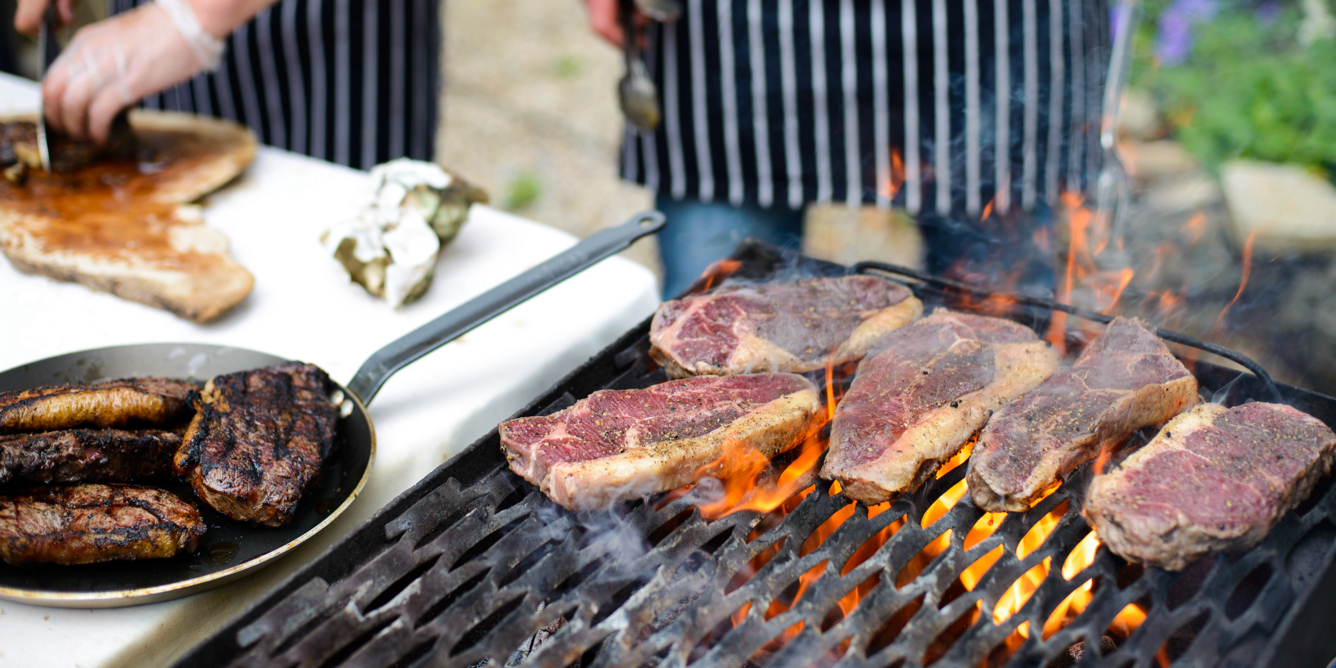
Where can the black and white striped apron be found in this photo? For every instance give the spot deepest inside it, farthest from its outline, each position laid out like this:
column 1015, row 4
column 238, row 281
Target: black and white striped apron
column 350, row 81
column 789, row 102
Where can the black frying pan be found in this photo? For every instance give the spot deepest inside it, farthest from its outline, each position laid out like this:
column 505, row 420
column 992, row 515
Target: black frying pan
column 232, row 548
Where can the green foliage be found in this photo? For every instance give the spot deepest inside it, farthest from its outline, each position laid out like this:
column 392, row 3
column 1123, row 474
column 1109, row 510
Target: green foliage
column 1248, row 89
column 523, row 191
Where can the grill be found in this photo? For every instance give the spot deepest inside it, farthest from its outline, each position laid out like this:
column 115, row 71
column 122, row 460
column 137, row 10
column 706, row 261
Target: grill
column 473, row 566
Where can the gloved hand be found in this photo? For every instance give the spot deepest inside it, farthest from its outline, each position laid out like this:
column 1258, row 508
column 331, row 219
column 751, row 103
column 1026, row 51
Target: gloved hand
column 28, row 18
column 111, row 64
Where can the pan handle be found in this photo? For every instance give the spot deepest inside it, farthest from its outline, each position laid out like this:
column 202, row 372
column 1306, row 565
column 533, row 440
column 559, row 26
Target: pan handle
column 376, row 370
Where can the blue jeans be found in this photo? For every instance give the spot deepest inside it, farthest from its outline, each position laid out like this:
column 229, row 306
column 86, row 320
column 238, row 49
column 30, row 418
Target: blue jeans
column 699, row 233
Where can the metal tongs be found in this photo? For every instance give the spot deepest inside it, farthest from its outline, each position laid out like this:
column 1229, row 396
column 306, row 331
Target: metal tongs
column 46, row 43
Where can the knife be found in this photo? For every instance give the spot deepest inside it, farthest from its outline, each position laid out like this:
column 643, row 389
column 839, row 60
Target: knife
column 46, row 43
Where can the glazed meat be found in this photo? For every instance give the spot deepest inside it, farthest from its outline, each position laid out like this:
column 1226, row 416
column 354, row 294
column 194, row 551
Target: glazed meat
column 922, row 392
column 624, row 444
column 258, row 440
column 113, row 403
column 795, row 327
column 1124, row 380
column 18, row 143
column 86, row 524
column 88, row 455
column 1213, row 479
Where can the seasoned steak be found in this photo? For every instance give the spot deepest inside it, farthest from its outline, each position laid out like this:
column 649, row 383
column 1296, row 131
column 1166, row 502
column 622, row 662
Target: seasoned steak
column 88, row 455
column 1124, row 380
column 624, row 444
column 113, row 403
column 795, row 327
column 86, row 524
column 1213, row 479
column 18, row 143
column 258, row 440
column 922, row 392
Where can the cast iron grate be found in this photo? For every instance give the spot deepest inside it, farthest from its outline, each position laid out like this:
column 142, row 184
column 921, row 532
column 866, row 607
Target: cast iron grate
column 473, row 566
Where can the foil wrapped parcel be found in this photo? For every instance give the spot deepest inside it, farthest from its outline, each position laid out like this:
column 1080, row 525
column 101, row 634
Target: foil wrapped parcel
column 390, row 247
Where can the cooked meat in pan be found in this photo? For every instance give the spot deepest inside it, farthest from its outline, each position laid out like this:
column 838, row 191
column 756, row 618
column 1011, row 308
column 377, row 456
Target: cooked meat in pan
column 624, row 444
column 86, row 524
column 796, row 327
column 1124, row 380
column 88, row 455
column 258, row 439
column 1213, row 479
column 113, row 403
column 922, row 392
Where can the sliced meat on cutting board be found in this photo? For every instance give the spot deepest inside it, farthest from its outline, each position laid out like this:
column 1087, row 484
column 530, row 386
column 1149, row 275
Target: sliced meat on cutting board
column 86, row 524
column 623, row 444
column 88, row 455
column 1213, row 479
column 795, row 327
column 922, row 392
column 122, row 224
column 258, row 440
column 111, row 403
column 1124, row 380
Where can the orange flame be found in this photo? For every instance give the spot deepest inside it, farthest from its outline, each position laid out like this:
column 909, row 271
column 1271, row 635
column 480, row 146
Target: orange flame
column 718, row 271
column 1243, row 281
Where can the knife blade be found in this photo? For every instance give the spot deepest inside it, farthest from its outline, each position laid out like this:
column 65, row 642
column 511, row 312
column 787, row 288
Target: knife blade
column 49, row 48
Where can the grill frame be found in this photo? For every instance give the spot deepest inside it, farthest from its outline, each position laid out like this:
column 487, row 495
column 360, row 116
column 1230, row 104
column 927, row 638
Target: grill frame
column 363, row 601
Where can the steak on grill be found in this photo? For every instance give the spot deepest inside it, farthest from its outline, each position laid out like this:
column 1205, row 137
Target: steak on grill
column 258, row 440
column 922, row 392
column 88, row 455
column 86, row 524
column 1124, row 380
column 113, row 403
column 624, row 444
column 795, row 327
column 1213, row 479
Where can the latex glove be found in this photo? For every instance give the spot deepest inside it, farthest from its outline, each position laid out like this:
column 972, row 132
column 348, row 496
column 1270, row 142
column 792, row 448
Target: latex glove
column 111, row 64
column 28, row 18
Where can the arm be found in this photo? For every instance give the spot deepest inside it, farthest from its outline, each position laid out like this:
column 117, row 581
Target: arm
column 113, row 63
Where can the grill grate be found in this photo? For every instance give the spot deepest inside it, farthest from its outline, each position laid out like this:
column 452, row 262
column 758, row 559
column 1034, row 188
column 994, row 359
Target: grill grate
column 473, row 566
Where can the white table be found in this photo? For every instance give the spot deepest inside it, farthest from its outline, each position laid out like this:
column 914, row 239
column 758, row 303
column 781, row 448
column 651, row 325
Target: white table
column 303, row 307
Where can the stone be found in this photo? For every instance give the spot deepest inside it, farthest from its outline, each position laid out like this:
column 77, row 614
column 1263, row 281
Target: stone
column 1157, row 160
column 1285, row 207
column 1191, row 192
column 1138, row 119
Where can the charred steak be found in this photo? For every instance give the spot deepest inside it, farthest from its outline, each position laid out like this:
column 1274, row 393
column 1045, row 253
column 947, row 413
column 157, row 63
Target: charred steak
column 1213, row 479
column 1124, row 380
column 795, row 327
column 88, row 455
column 113, row 403
column 922, row 392
column 258, row 440
column 86, row 524
column 624, row 444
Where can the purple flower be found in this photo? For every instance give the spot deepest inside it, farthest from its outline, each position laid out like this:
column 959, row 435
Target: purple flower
column 1173, row 42
column 1267, row 12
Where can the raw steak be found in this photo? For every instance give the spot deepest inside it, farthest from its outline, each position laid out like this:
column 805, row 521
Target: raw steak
column 795, row 327
column 1124, row 380
column 1213, row 479
column 86, row 524
column 112, row 403
column 88, row 455
column 922, row 392
column 259, row 439
column 624, row 444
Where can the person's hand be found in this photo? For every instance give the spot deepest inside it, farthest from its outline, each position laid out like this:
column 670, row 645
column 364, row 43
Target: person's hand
column 605, row 20
column 28, row 18
column 111, row 64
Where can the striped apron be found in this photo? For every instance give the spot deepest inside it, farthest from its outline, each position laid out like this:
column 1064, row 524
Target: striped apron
column 937, row 106
column 354, row 82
